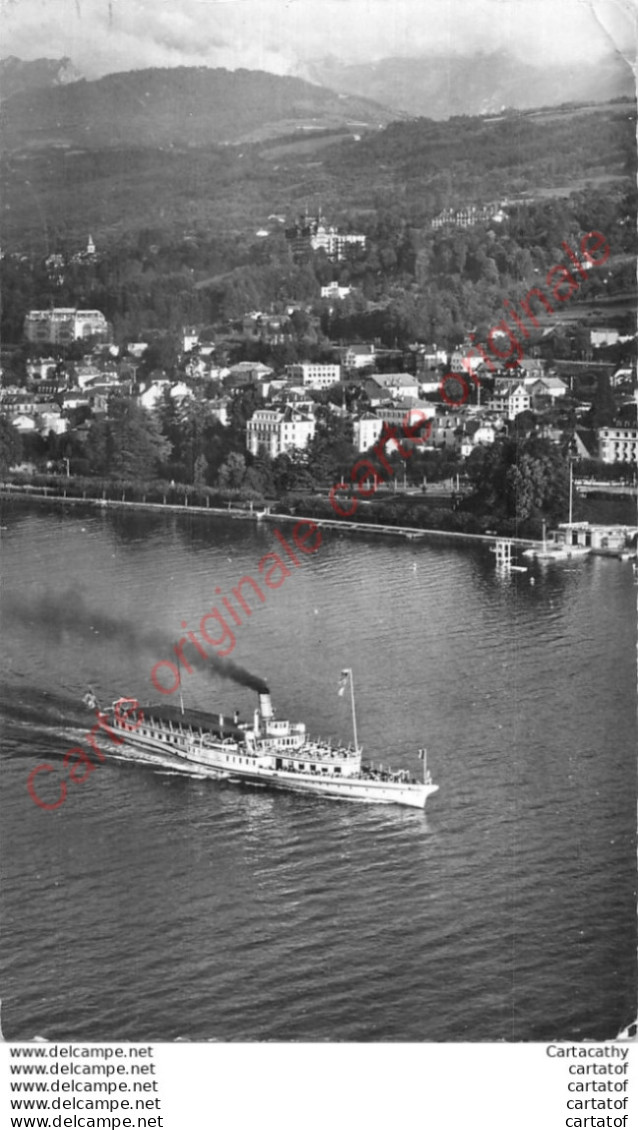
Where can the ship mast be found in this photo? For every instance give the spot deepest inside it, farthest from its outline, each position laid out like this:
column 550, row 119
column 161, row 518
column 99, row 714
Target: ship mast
column 179, row 675
column 348, row 671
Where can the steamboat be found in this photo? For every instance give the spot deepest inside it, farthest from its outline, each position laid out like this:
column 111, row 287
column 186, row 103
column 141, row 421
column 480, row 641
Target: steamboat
column 266, row 751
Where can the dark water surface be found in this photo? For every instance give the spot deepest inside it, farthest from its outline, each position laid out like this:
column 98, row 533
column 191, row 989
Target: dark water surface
column 154, row 905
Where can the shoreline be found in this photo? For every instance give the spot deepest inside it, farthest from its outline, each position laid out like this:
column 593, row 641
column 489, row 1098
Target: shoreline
column 409, row 533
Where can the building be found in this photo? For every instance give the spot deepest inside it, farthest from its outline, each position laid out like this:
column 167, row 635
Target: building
column 468, row 216
column 63, row 325
column 41, row 369
column 311, row 233
column 510, row 399
column 427, row 361
column 477, row 433
column 151, row 396
column 25, row 424
column 335, row 243
column 600, row 338
column 314, row 375
column 274, row 432
column 333, row 290
column 190, row 339
column 219, row 409
column 52, row 420
column 354, row 357
column 399, row 385
column 249, row 372
column 618, row 445
column 407, row 413
column 461, row 361
column 366, row 431
column 551, row 387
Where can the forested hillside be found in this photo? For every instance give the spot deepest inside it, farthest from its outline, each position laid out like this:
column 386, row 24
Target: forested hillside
column 177, row 107
column 177, row 230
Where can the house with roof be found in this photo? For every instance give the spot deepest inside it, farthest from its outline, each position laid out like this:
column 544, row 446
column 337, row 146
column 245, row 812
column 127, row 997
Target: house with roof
column 374, row 393
column 476, row 433
column 399, row 385
column 24, row 423
column 358, row 356
column 75, row 398
column 447, row 428
column 618, row 445
column 529, row 369
column 510, row 399
column 152, row 394
column 552, row 387
column 333, row 290
column 602, row 337
column 367, row 430
column 52, row 420
column 315, row 374
column 40, row 368
column 462, row 360
column 277, row 431
column 409, row 412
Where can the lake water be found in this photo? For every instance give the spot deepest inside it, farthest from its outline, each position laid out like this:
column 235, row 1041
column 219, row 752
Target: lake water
column 154, row 905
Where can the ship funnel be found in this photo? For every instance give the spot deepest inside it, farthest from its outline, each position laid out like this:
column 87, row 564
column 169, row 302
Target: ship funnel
column 265, row 707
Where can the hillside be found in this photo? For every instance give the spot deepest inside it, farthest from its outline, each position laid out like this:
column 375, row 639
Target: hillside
column 180, row 107
column 417, row 167
column 442, row 86
column 16, row 75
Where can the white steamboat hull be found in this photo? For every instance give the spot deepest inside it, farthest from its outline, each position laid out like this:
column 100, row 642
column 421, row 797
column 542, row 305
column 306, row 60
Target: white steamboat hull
column 357, row 789
column 361, row 789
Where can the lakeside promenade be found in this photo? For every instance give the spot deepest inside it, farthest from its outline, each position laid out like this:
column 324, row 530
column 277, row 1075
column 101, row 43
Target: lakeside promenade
column 412, row 533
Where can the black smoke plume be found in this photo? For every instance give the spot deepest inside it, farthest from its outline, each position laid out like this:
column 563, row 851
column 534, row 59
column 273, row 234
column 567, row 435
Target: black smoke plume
column 55, row 615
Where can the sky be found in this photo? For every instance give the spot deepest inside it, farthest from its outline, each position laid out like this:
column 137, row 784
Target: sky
column 102, row 36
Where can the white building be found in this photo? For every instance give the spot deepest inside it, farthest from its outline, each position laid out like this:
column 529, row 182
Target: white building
column 477, row 434
column 41, row 368
column 334, row 243
column 53, row 421
column 63, row 325
column 367, row 430
column 190, row 338
column 618, row 445
column 407, row 413
column 24, row 423
column 276, row 432
column 553, row 387
column 600, row 338
column 398, row 385
column 151, row 396
column 333, row 290
column 463, row 361
column 510, row 401
column 358, row 356
column 218, row 409
column 314, row 375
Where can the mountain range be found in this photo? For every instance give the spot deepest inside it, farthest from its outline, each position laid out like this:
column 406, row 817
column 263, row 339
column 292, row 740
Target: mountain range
column 179, row 107
column 46, row 102
column 442, row 86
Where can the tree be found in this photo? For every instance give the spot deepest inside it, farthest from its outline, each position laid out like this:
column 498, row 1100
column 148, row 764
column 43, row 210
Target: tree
column 128, row 444
column 10, row 445
column 520, row 478
column 200, row 472
column 231, row 473
column 330, row 453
